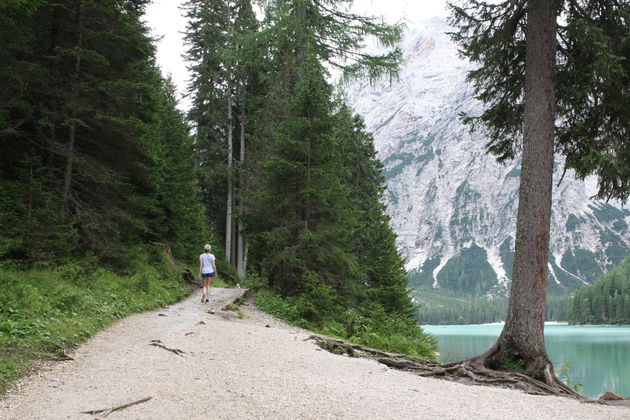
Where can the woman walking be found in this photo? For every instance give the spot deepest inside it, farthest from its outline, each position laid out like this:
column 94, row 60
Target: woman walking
column 207, row 271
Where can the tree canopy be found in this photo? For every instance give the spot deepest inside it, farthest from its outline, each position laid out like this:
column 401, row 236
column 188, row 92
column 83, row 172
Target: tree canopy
column 94, row 152
column 592, row 82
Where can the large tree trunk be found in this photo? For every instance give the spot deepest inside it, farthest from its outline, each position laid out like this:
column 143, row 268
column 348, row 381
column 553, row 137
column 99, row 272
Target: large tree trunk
column 230, row 186
column 72, row 124
column 522, row 339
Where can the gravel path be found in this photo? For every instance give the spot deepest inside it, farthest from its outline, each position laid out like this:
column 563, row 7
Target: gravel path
column 252, row 368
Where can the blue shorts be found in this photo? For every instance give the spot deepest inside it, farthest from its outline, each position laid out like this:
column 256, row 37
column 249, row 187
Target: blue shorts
column 206, row 275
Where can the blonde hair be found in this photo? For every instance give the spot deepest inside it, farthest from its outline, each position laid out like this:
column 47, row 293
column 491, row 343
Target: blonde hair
column 207, row 248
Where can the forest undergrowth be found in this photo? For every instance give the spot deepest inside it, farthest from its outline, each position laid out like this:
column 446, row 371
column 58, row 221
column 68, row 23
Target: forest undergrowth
column 369, row 326
column 45, row 311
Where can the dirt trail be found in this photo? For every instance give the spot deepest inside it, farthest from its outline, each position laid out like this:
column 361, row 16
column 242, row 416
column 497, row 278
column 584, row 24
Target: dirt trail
column 252, row 368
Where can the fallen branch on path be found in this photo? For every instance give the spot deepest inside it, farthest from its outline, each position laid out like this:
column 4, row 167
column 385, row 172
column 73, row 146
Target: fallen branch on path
column 158, row 343
column 107, row 411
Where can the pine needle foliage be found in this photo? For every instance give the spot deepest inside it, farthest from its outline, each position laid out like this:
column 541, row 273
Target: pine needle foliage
column 93, row 152
column 592, row 82
column 321, row 235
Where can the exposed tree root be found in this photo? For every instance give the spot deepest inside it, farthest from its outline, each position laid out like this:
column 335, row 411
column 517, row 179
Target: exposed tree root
column 468, row 371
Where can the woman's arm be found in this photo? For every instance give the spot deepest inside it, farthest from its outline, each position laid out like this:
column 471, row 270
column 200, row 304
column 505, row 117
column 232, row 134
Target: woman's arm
column 200, row 266
column 214, row 265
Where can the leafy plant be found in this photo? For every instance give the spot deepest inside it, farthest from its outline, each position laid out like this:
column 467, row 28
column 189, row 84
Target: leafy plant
column 564, row 373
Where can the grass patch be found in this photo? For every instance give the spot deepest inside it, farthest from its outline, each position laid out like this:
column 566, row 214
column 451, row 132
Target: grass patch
column 44, row 313
column 371, row 327
column 234, row 308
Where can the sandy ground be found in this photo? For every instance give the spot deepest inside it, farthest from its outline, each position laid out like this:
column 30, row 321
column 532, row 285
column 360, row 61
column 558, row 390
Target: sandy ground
column 252, row 368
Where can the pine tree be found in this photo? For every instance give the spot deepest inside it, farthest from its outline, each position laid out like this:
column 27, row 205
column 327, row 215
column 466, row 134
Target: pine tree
column 84, row 125
column 381, row 267
column 247, row 71
column 301, row 213
column 178, row 218
column 220, row 35
column 518, row 79
column 206, row 36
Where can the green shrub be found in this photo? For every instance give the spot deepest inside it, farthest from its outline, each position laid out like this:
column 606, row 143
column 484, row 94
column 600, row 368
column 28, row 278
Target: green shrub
column 227, row 273
column 279, row 307
column 371, row 326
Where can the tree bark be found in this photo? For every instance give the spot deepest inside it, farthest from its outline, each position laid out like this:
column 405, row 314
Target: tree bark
column 230, row 186
column 51, row 140
column 72, row 124
column 240, row 254
column 522, row 337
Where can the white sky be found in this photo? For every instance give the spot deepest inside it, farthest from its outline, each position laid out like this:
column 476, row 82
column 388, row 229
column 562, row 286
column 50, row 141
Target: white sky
column 166, row 22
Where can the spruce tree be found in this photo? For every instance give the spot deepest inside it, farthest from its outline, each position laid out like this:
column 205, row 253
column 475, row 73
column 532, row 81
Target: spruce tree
column 206, row 36
column 532, row 71
column 220, row 36
column 87, row 135
column 374, row 242
column 178, row 217
column 303, row 214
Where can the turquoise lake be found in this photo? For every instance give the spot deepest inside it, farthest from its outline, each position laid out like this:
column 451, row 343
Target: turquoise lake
column 600, row 356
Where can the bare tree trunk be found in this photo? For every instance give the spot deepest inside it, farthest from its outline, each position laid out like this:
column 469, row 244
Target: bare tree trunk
column 234, row 231
column 522, row 337
column 51, row 139
column 240, row 254
column 245, row 257
column 72, row 124
column 230, row 187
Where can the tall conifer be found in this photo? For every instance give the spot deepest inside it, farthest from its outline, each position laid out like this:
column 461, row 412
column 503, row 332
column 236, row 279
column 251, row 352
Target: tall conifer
column 534, row 68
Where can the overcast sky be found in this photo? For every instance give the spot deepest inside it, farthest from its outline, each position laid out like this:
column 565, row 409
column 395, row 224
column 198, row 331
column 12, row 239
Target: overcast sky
column 165, row 20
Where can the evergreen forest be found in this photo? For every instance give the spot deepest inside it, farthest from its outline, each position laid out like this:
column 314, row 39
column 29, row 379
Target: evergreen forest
column 607, row 301
column 104, row 182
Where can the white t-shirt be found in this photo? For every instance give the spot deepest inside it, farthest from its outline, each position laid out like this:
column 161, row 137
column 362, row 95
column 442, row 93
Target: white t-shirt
column 206, row 263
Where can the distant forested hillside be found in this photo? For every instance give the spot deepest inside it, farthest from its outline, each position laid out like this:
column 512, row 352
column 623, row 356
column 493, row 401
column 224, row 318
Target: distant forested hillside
column 607, row 301
column 450, row 308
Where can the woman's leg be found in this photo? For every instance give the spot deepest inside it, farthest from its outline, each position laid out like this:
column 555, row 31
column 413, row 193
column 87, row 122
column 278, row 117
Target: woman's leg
column 207, row 283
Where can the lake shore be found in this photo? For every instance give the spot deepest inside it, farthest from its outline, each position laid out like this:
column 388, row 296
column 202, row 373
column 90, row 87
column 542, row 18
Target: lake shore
column 593, row 359
column 254, row 367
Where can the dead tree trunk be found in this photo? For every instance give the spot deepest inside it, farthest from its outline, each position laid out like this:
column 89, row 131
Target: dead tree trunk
column 72, row 124
column 51, row 139
column 230, row 186
column 240, row 253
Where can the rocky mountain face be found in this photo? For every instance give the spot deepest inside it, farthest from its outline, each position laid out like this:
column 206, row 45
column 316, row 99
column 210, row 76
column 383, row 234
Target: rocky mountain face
column 452, row 205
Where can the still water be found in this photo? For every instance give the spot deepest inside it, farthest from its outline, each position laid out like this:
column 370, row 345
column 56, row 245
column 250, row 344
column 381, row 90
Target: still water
column 600, row 356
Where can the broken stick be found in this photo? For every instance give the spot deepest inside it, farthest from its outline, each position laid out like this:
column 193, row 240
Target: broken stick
column 158, row 343
column 107, row 411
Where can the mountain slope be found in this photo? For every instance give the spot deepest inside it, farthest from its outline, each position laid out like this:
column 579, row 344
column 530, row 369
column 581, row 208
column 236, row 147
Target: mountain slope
column 452, row 205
